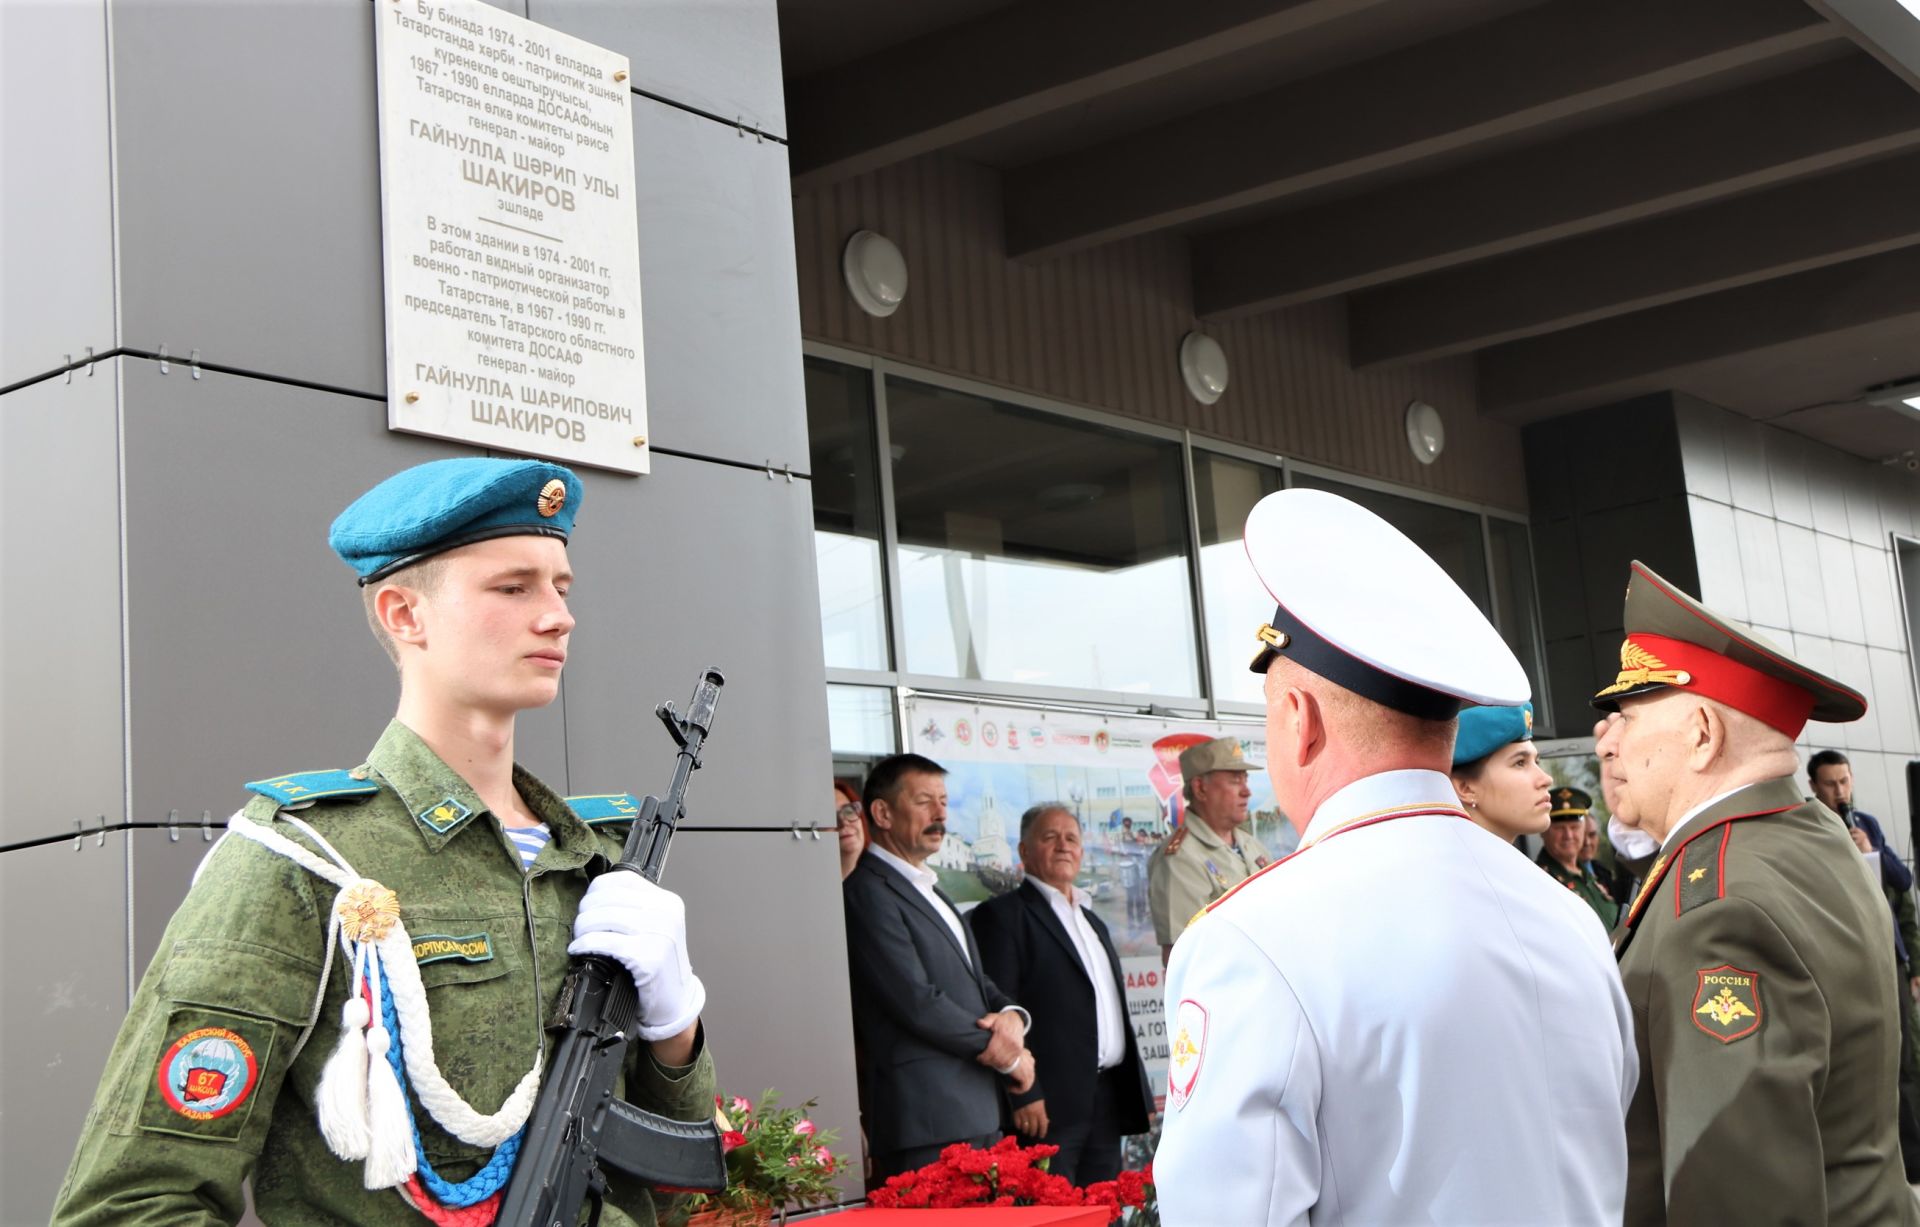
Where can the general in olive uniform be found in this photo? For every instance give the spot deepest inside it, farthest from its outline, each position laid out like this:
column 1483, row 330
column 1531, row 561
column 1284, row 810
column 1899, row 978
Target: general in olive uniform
column 255, row 1048
column 1757, row 957
column 1568, row 819
column 1209, row 853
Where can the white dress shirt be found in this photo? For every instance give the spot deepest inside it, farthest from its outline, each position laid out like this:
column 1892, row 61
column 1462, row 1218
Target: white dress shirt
column 1108, row 1010
column 1404, row 1023
column 924, row 880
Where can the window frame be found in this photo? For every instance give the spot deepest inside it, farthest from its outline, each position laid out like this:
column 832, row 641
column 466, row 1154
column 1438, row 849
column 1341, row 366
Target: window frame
column 1203, row 705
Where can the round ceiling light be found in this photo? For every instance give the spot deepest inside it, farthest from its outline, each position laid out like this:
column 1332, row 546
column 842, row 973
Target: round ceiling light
column 1426, row 433
column 875, row 271
column 1203, row 367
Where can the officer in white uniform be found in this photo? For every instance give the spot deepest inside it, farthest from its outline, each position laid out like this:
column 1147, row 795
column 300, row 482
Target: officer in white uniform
column 1403, row 1022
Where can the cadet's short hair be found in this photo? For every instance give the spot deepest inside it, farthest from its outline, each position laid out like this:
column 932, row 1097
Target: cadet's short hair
column 1825, row 758
column 1036, row 812
column 884, row 781
column 423, row 577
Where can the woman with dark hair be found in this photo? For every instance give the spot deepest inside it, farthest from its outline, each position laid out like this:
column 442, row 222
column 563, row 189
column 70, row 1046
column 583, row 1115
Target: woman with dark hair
column 1496, row 771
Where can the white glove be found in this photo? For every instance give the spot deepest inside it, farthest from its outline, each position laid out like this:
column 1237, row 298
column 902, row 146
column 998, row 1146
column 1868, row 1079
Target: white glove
column 628, row 919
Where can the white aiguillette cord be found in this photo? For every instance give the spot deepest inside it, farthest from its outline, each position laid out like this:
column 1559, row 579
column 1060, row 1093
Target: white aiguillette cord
column 392, row 948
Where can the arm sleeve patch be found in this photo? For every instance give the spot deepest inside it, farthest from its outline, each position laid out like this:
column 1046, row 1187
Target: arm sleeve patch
column 209, row 1064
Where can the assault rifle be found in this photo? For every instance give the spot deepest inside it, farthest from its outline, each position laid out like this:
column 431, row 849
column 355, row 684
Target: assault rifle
column 577, row 1124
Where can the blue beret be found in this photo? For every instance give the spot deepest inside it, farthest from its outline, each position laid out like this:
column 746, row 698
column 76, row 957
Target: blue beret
column 1485, row 729
column 444, row 504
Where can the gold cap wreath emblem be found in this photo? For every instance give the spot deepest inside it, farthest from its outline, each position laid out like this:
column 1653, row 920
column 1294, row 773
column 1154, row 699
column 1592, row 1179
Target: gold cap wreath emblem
column 367, row 910
column 553, row 496
column 1639, row 667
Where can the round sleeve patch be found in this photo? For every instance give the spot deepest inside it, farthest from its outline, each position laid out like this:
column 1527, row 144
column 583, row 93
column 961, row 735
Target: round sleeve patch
column 1188, row 1053
column 207, row 1073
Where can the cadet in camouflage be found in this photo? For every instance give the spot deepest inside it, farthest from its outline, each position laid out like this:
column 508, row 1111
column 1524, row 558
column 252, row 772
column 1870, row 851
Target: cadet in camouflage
column 213, row 1080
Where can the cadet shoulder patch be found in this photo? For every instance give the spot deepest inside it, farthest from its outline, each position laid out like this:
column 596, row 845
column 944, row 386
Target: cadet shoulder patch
column 1726, row 1002
column 436, row 947
column 305, row 787
column 601, row 808
column 210, row 1063
column 1188, row 1053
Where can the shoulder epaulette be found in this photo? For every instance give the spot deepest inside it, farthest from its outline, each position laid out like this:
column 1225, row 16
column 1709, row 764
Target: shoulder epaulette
column 1700, row 868
column 304, row 787
column 1174, row 841
column 602, row 808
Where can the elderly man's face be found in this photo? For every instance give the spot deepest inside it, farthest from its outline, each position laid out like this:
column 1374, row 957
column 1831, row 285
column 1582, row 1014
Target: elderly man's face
column 1643, row 754
column 1051, row 849
column 1563, row 839
column 1222, row 796
column 1589, row 839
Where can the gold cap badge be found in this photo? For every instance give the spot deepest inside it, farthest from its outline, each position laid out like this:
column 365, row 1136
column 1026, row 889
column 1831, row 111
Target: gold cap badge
column 553, row 496
column 1639, row 666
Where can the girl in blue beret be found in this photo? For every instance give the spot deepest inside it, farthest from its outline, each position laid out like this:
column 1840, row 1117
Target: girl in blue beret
column 1496, row 771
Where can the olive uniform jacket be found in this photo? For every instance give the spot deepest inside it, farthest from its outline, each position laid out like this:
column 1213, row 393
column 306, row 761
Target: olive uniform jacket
column 1758, row 962
column 236, row 975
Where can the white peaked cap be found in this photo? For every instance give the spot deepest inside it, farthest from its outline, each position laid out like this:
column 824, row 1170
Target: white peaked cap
column 1367, row 609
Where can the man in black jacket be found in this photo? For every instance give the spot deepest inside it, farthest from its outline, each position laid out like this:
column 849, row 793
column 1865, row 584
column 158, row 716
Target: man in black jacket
column 1043, row 944
column 939, row 1043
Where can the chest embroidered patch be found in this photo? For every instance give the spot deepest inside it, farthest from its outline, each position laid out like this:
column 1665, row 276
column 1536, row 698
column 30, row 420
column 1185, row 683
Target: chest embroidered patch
column 1726, row 1002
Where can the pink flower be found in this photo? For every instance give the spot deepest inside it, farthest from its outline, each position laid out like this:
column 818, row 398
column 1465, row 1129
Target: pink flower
column 795, row 1160
column 805, row 1128
column 823, row 1156
column 741, row 1106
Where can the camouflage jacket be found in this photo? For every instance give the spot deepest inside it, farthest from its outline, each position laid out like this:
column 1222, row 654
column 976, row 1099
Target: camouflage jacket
column 204, row 1086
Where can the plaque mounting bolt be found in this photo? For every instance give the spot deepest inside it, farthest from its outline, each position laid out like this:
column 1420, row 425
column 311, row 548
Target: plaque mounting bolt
column 413, row 398
column 620, row 75
column 639, row 440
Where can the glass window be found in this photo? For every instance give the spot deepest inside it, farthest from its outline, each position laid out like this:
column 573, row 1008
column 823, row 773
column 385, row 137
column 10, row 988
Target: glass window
column 860, row 721
column 1224, row 491
column 1038, row 550
column 1514, row 605
column 846, row 515
column 1451, row 538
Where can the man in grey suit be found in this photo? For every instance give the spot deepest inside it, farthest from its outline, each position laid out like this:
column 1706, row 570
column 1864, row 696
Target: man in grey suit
column 939, row 1044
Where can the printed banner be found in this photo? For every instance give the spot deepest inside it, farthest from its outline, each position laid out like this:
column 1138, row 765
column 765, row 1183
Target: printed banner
column 1120, row 775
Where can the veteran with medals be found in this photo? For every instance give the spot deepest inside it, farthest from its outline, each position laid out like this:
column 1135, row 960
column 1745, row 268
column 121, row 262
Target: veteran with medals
column 349, row 1007
column 1757, row 956
column 1360, row 1031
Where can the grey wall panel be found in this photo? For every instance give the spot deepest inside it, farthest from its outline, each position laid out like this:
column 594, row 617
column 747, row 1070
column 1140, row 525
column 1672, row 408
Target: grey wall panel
column 163, row 868
column 718, row 292
column 248, row 184
column 766, row 934
column 60, row 1003
column 249, row 652
column 699, row 564
column 56, row 237
column 722, row 56
column 61, row 748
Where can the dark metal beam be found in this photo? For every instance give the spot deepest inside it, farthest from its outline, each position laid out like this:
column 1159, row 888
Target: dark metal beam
column 1816, row 119
column 1512, row 75
column 1013, row 64
column 1654, row 347
column 1805, row 224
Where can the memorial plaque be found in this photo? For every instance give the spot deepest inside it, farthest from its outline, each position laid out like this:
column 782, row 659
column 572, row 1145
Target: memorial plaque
column 511, row 245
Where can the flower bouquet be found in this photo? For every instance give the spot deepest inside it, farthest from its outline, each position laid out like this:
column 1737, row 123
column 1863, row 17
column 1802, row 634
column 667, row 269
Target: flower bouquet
column 776, row 1157
column 1009, row 1174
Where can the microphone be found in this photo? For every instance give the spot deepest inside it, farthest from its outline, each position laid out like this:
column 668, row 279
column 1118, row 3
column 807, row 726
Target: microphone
column 1845, row 810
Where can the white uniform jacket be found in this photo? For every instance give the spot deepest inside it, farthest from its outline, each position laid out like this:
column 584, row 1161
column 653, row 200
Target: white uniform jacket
column 1405, row 1022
